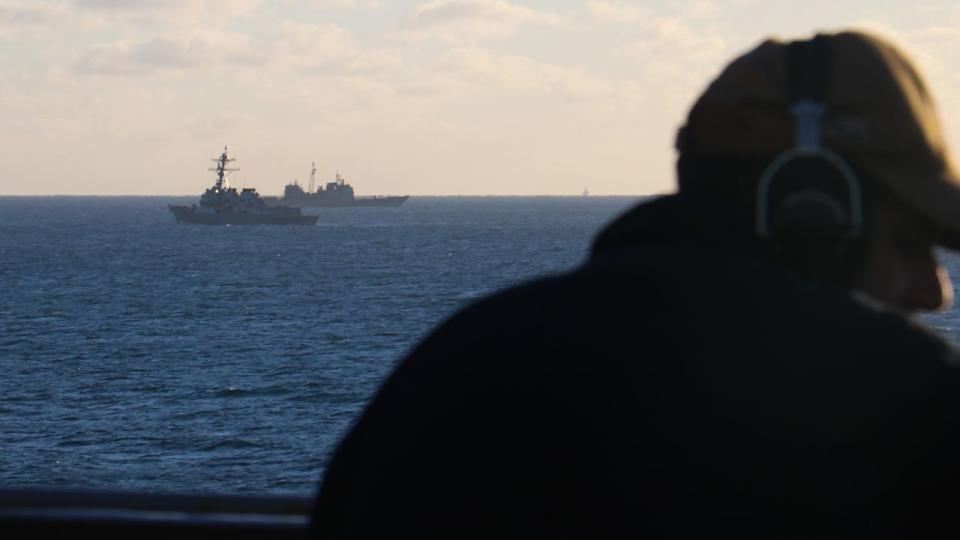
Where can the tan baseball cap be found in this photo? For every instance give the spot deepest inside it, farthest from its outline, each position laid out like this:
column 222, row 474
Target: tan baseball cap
column 879, row 114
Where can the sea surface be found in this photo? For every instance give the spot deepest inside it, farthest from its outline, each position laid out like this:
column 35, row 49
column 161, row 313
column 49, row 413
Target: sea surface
column 138, row 353
column 141, row 354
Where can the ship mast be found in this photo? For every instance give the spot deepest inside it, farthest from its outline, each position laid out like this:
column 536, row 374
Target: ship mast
column 222, row 170
column 313, row 175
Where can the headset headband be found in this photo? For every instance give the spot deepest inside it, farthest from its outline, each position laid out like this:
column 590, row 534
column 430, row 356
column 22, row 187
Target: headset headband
column 809, row 65
column 807, row 75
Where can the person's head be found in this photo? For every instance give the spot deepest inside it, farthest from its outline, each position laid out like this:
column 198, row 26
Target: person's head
column 831, row 151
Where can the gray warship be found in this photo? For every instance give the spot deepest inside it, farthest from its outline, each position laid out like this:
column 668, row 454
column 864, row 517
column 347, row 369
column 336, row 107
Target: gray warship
column 336, row 194
column 223, row 205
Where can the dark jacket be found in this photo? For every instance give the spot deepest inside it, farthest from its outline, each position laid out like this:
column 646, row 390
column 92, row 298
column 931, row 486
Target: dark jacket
column 675, row 385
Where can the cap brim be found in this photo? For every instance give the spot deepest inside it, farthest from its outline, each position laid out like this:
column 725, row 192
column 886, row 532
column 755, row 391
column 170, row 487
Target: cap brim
column 935, row 196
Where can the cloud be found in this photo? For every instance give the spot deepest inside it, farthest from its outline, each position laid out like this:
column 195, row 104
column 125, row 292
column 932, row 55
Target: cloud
column 29, row 13
column 18, row 16
column 166, row 53
column 307, row 48
column 469, row 71
column 549, row 102
column 700, row 9
column 328, row 47
column 338, row 3
column 672, row 39
column 612, row 11
column 464, row 20
column 676, row 58
column 617, row 12
column 39, row 18
column 206, row 11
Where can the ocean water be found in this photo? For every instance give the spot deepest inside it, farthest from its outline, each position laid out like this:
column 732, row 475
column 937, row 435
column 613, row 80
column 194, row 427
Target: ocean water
column 138, row 353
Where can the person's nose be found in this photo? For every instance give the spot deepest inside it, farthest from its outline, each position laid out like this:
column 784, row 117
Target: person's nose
column 929, row 289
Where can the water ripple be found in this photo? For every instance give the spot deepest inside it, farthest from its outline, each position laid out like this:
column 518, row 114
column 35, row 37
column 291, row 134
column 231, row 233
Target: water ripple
column 142, row 354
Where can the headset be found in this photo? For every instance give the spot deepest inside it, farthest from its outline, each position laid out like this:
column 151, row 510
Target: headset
column 809, row 194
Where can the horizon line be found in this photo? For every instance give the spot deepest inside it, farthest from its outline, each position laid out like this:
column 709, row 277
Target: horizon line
column 411, row 196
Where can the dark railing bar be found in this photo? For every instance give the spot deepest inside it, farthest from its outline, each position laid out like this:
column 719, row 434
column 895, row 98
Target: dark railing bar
column 167, row 502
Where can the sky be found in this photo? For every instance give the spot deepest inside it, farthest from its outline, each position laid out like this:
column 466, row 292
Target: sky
column 418, row 97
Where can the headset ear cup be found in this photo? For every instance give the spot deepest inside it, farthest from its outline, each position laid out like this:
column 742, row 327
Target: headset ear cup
column 813, row 214
column 810, row 215
column 809, row 196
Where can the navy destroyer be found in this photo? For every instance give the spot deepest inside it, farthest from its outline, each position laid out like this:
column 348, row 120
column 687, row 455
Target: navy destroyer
column 223, row 205
column 336, row 193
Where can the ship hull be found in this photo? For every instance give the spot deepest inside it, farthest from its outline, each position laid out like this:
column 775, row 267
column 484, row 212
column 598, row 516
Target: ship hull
column 189, row 214
column 321, row 202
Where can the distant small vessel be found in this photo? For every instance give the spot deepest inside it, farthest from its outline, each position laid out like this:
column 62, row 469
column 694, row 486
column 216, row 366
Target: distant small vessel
column 223, row 205
column 585, row 192
column 336, row 194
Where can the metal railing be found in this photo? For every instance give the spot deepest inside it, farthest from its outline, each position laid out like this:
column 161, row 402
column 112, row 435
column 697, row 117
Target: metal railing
column 26, row 513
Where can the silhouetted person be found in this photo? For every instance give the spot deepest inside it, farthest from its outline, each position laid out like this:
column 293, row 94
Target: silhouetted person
column 737, row 358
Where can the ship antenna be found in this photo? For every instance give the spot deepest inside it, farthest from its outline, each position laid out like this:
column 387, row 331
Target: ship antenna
column 313, row 175
column 222, row 170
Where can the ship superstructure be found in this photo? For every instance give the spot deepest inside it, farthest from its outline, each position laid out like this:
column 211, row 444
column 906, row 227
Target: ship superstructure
column 333, row 194
column 224, row 205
